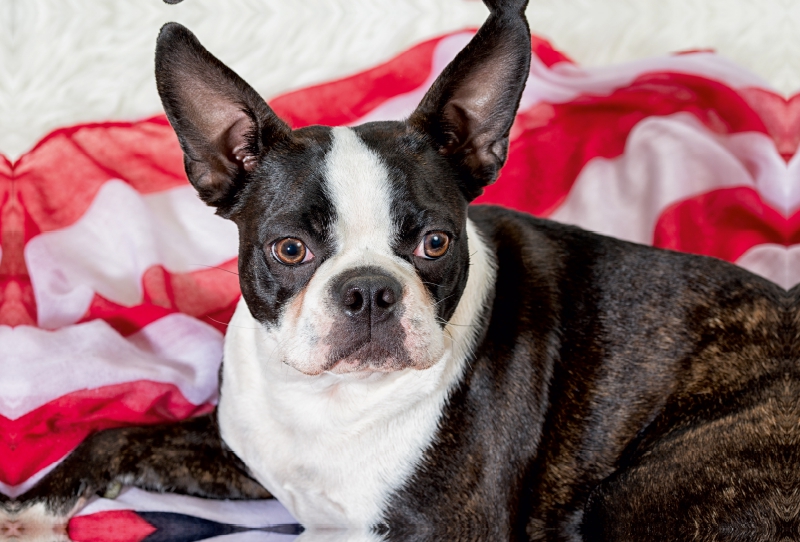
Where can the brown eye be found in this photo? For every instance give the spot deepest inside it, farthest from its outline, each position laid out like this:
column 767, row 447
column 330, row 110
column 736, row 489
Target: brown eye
column 291, row 251
column 434, row 245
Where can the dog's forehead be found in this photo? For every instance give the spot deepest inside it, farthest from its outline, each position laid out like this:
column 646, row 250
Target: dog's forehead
column 368, row 187
column 359, row 186
column 387, row 183
column 425, row 187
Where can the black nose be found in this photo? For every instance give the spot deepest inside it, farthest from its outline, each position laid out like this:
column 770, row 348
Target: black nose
column 370, row 296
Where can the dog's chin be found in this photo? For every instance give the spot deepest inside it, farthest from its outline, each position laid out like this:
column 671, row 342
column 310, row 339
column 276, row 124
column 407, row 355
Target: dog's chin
column 371, row 358
column 367, row 360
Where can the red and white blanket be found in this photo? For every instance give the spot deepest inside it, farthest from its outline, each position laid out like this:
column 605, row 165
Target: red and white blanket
column 116, row 282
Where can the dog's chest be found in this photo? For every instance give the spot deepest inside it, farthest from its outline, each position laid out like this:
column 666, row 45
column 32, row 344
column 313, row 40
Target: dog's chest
column 332, row 452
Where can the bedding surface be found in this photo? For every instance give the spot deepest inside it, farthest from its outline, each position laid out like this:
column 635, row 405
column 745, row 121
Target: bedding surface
column 117, row 283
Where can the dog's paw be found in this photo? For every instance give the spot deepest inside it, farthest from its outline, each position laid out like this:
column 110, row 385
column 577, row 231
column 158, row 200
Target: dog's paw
column 36, row 522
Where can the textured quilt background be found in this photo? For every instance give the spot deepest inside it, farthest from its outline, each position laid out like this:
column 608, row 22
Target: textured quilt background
column 116, row 283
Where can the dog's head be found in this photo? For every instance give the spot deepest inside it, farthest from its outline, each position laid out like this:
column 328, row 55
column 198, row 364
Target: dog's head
column 353, row 246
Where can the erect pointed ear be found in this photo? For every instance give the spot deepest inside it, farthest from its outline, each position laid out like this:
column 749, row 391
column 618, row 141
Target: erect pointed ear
column 223, row 125
column 470, row 108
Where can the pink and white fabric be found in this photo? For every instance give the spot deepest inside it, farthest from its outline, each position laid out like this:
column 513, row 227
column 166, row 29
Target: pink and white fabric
column 116, row 282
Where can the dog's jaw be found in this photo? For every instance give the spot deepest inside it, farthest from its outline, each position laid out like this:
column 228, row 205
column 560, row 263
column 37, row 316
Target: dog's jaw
column 332, row 447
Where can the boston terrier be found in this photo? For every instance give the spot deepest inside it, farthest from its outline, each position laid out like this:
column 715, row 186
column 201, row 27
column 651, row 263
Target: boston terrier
column 409, row 367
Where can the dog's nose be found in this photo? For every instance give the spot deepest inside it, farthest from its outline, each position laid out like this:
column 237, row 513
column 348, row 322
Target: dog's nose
column 371, row 296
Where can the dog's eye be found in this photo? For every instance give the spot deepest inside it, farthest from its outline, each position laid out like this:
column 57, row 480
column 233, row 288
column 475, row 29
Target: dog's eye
column 291, row 251
column 434, row 245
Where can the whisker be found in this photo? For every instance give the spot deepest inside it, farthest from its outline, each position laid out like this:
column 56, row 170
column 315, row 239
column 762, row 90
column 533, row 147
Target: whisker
column 443, row 299
column 228, row 324
column 217, row 267
column 430, row 283
column 446, row 323
column 449, row 334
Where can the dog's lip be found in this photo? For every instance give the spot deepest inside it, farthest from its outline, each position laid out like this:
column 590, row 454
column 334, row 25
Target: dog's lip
column 339, row 355
column 358, row 370
column 379, row 359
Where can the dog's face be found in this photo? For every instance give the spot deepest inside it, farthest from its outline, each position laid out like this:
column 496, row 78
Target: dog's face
column 353, row 249
column 350, row 254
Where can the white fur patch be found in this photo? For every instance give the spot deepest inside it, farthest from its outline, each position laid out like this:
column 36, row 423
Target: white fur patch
column 358, row 185
column 332, row 448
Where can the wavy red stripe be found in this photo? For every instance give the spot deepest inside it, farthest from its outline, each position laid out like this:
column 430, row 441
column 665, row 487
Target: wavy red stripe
column 210, row 295
column 725, row 224
column 555, row 141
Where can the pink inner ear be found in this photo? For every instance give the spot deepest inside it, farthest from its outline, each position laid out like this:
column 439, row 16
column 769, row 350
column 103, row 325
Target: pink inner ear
column 476, row 110
column 247, row 160
column 235, row 142
column 249, row 163
column 220, row 120
column 473, row 126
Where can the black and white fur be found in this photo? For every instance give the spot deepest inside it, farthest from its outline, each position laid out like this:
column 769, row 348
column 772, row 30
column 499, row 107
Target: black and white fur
column 533, row 382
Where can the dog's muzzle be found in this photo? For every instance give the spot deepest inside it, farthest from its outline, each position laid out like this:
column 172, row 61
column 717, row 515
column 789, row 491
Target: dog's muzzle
column 367, row 333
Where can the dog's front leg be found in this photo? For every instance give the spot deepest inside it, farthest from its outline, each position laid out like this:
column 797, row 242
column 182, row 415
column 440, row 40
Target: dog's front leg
column 187, row 457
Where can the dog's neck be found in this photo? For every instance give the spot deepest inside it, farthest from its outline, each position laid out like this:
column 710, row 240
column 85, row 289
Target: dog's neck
column 319, row 427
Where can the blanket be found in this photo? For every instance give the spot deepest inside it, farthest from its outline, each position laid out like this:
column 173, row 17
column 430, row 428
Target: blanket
column 117, row 283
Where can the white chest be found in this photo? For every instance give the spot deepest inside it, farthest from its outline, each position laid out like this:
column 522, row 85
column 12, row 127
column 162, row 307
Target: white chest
column 330, row 448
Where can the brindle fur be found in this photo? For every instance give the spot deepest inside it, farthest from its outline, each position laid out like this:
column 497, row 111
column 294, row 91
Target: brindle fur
column 186, row 457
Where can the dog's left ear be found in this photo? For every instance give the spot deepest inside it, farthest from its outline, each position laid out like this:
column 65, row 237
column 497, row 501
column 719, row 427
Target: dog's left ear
column 470, row 108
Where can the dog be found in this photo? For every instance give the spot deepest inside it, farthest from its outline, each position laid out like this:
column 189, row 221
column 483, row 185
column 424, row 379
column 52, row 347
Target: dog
column 409, row 367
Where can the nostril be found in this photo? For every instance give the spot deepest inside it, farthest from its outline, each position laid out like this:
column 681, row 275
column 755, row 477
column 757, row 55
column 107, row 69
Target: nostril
column 371, row 297
column 353, row 300
column 385, row 298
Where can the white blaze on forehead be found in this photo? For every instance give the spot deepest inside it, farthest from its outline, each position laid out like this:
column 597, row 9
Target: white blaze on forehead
column 359, row 188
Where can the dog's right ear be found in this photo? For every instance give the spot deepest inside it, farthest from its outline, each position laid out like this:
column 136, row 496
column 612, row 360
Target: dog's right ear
column 469, row 109
column 223, row 125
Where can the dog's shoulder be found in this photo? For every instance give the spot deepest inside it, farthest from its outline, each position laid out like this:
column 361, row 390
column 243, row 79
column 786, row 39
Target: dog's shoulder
column 626, row 283
column 624, row 304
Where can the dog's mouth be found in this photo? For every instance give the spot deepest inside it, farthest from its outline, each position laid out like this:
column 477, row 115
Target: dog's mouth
column 368, row 356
